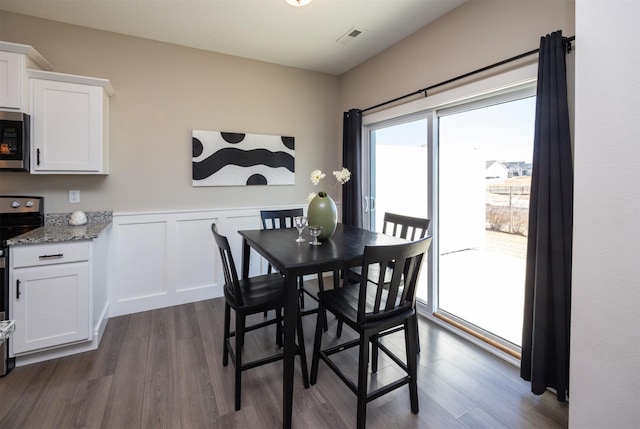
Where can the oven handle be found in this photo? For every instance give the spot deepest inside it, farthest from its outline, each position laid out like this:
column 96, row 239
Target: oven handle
column 57, row 255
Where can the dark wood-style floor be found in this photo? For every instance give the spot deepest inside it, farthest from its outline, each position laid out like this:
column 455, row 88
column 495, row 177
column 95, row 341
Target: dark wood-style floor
column 163, row 369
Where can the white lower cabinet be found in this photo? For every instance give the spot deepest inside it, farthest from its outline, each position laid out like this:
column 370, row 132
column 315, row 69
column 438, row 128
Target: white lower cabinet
column 50, row 295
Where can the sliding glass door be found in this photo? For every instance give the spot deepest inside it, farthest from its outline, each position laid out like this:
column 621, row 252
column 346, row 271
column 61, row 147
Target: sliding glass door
column 399, row 160
column 465, row 165
column 399, row 176
column 484, row 181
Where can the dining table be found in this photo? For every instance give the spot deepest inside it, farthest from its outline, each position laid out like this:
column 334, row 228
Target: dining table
column 343, row 250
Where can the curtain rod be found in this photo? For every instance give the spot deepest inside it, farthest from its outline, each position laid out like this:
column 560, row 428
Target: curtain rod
column 567, row 41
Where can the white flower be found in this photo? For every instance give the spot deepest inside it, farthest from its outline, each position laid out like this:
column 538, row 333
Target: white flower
column 342, row 176
column 317, row 176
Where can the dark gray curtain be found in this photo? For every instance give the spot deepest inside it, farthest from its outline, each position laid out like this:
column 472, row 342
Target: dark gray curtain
column 547, row 311
column 352, row 159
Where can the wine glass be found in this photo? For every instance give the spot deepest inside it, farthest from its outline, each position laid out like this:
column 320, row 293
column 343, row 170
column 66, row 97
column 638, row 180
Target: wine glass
column 315, row 231
column 300, row 222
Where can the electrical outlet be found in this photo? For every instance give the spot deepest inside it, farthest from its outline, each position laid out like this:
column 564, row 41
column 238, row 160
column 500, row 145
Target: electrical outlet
column 74, row 196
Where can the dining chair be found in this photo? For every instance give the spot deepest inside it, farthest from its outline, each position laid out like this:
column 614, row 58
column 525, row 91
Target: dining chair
column 246, row 297
column 273, row 219
column 370, row 307
column 406, row 227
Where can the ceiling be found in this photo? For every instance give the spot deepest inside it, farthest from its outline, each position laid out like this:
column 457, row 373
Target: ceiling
column 266, row 30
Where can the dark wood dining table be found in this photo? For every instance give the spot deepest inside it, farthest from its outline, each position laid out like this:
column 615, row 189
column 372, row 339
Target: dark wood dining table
column 343, row 250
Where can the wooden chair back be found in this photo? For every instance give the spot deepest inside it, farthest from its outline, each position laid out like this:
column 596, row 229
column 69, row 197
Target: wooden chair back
column 407, row 227
column 274, row 219
column 232, row 289
column 395, row 288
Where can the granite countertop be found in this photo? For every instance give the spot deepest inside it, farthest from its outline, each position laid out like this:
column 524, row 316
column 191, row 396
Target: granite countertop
column 57, row 229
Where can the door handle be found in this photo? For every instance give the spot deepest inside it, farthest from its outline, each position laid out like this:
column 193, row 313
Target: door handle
column 18, row 289
column 366, row 204
column 38, row 156
column 373, row 204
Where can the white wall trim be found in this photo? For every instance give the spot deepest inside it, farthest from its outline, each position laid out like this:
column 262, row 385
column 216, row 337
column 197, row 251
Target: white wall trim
column 166, row 258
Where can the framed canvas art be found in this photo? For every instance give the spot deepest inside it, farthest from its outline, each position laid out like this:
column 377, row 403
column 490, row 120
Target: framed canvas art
column 237, row 159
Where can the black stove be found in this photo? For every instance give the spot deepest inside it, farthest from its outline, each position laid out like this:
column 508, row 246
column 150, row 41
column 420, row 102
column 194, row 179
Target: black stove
column 18, row 215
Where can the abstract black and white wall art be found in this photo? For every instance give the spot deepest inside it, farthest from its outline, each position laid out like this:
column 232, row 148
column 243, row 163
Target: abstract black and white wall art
column 236, row 159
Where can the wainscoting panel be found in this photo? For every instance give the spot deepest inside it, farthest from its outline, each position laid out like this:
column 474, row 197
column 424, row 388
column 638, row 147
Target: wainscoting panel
column 163, row 259
column 195, row 253
column 142, row 254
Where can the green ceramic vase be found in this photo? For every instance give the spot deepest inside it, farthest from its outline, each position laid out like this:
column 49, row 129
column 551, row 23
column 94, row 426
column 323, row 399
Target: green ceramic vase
column 322, row 211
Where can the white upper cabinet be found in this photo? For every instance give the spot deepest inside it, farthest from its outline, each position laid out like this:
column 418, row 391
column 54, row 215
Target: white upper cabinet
column 69, row 123
column 69, row 113
column 12, row 72
column 14, row 61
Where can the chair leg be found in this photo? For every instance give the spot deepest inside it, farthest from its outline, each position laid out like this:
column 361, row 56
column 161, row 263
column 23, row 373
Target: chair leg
column 279, row 327
column 240, row 324
column 227, row 323
column 336, row 279
column 336, row 283
column 301, row 292
column 363, row 366
column 315, row 358
column 411, row 344
column 302, row 353
column 374, row 353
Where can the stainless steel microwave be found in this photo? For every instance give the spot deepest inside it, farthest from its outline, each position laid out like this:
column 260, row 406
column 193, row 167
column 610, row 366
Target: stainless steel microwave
column 14, row 146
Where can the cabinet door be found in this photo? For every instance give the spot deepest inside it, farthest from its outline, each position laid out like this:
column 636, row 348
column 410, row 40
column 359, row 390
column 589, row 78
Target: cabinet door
column 12, row 80
column 50, row 306
column 67, row 124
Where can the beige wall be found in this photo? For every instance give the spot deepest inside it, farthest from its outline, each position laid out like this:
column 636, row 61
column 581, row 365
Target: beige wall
column 164, row 91
column 475, row 35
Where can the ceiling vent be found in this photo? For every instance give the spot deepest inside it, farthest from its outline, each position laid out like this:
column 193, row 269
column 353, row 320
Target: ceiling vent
column 349, row 36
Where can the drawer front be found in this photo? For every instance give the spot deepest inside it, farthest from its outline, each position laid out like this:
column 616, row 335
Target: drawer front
column 50, row 253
